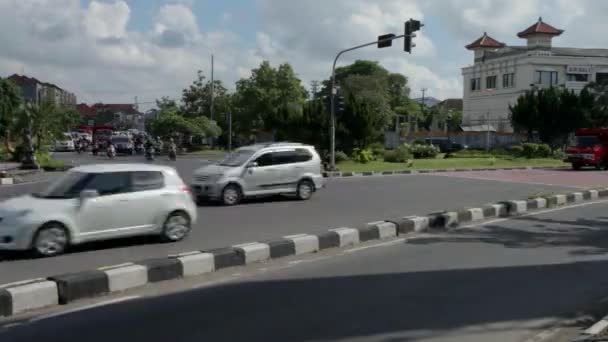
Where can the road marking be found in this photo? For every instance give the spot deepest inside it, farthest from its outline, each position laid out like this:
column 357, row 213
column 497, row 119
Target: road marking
column 382, row 244
column 86, row 307
column 501, row 180
column 530, row 214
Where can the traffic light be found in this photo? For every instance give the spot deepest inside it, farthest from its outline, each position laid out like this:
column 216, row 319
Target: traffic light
column 339, row 103
column 382, row 42
column 411, row 26
column 327, row 103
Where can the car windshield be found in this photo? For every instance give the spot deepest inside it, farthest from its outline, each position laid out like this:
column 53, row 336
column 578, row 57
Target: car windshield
column 120, row 140
column 67, row 186
column 237, row 158
column 587, row 141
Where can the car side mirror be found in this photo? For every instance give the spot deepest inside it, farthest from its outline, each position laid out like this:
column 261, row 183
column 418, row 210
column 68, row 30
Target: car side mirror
column 88, row 194
column 252, row 164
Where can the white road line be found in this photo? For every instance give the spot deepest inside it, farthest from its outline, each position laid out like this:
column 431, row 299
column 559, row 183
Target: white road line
column 382, row 244
column 86, row 307
column 502, row 180
column 483, row 223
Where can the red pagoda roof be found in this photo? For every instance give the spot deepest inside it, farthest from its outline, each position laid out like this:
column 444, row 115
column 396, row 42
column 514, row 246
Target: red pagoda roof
column 485, row 42
column 540, row 28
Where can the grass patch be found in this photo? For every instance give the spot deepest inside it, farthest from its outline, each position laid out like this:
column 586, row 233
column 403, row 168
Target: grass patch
column 208, row 154
column 48, row 163
column 451, row 163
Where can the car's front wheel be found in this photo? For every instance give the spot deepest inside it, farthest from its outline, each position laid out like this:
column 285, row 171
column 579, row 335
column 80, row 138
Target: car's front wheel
column 305, row 189
column 231, row 195
column 51, row 240
column 176, row 227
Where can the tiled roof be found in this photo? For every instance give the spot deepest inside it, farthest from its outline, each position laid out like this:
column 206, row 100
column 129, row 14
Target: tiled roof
column 485, row 42
column 450, row 104
column 540, row 28
column 86, row 110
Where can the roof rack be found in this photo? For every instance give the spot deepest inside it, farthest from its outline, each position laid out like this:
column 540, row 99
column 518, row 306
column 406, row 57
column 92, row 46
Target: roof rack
column 282, row 143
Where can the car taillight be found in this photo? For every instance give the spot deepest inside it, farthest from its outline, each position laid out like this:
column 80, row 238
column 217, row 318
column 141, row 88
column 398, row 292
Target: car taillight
column 597, row 148
column 186, row 189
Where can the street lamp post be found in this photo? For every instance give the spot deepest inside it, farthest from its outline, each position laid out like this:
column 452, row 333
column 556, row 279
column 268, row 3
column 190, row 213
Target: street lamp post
column 333, row 93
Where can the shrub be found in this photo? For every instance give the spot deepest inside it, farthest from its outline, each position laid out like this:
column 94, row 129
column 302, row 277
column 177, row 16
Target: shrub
column 399, row 155
column 341, row 157
column 543, row 151
column 424, row 151
column 558, row 154
column 517, row 150
column 377, row 149
column 419, row 142
column 529, row 150
column 47, row 162
column 363, row 156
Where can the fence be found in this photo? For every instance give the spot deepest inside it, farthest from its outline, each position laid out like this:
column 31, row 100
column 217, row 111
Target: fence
column 477, row 140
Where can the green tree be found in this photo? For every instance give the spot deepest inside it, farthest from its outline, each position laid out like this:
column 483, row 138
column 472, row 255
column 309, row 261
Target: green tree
column 170, row 122
column 10, row 101
column 270, row 99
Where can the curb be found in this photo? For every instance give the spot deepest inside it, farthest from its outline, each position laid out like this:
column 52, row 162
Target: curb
column 34, row 294
column 339, row 174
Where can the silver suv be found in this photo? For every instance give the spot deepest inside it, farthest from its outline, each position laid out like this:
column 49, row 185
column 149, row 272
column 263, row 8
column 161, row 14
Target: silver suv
column 258, row 170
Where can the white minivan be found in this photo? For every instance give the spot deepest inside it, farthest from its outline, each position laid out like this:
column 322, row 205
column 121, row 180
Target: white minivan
column 261, row 169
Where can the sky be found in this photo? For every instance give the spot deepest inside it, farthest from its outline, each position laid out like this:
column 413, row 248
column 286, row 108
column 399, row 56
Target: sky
column 115, row 50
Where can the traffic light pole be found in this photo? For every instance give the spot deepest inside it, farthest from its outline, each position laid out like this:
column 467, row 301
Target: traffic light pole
column 332, row 95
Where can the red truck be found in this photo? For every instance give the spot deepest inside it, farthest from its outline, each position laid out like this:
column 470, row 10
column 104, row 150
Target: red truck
column 591, row 149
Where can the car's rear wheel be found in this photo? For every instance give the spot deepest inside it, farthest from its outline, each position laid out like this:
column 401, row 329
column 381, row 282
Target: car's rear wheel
column 576, row 166
column 50, row 240
column 231, row 195
column 305, row 189
column 176, row 227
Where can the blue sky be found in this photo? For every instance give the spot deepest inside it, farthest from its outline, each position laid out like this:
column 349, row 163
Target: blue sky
column 114, row 50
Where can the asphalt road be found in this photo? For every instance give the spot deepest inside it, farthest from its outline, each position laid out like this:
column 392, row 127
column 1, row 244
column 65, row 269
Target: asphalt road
column 345, row 202
column 508, row 280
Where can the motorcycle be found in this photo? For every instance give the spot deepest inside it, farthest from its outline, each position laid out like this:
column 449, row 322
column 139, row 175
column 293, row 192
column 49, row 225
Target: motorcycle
column 139, row 148
column 150, row 154
column 172, row 154
column 95, row 149
column 111, row 152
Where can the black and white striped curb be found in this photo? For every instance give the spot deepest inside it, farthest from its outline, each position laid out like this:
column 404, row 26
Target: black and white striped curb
column 338, row 174
column 62, row 289
column 594, row 332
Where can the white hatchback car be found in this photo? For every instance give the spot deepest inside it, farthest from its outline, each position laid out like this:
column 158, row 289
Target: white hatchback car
column 99, row 202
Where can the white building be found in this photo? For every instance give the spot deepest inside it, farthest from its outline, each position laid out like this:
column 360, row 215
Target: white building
column 501, row 73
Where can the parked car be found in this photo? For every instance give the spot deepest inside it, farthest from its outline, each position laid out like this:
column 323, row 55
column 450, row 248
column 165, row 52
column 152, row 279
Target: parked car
column 258, row 170
column 99, row 202
column 65, row 143
column 123, row 144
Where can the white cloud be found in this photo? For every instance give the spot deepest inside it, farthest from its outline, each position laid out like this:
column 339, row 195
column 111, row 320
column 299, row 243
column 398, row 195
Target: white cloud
column 107, row 20
column 92, row 50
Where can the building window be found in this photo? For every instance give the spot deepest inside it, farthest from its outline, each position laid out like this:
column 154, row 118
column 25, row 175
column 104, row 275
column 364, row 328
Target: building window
column 577, row 77
column 508, row 80
column 548, row 78
column 491, row 82
column 601, row 77
column 475, row 84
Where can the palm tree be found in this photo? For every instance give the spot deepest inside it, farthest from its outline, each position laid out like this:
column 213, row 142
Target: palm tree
column 10, row 100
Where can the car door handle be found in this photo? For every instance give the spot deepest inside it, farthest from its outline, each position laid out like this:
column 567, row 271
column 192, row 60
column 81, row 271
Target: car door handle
column 165, row 194
column 123, row 200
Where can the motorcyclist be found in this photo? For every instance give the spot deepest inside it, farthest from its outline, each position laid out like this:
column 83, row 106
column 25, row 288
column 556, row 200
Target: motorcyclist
column 111, row 149
column 149, row 149
column 172, row 149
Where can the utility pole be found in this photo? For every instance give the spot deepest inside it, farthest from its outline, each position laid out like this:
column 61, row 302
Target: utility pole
column 212, row 86
column 424, row 90
column 230, row 131
column 488, row 131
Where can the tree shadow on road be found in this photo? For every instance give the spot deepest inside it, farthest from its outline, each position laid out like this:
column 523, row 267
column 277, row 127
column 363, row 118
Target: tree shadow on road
column 591, row 235
column 402, row 306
